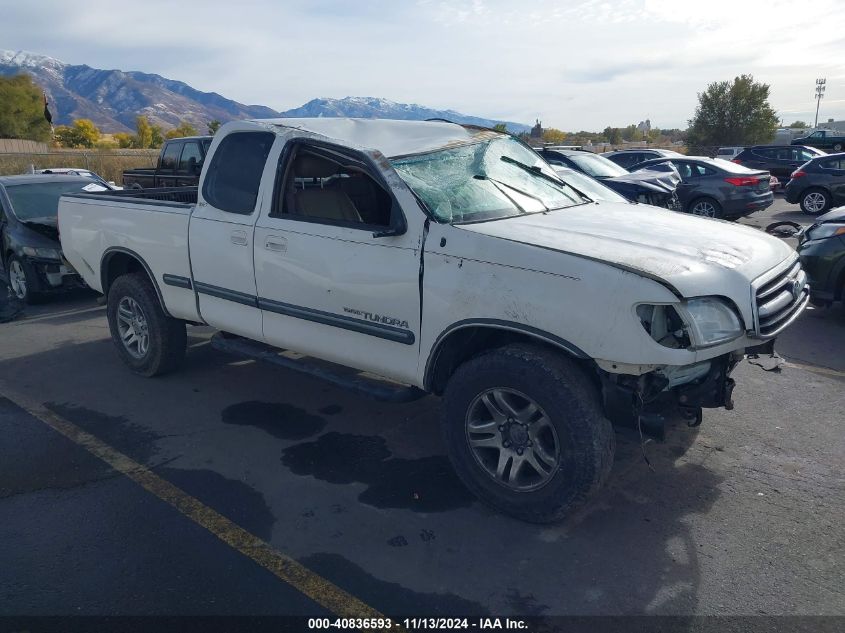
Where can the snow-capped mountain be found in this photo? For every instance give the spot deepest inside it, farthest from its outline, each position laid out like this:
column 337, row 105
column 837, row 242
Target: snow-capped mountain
column 114, row 98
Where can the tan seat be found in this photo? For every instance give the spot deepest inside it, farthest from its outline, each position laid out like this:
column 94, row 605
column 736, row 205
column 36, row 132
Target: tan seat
column 316, row 202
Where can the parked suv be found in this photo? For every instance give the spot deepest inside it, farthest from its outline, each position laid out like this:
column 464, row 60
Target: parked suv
column 819, row 184
column 822, row 251
column 779, row 160
column 629, row 157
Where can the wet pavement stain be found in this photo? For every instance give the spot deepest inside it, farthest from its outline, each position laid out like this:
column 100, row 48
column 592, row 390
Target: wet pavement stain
column 425, row 485
column 282, row 421
column 234, row 499
column 134, row 440
column 389, row 597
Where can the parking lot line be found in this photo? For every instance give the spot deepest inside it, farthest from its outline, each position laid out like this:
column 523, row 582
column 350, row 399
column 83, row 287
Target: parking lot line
column 817, row 369
column 312, row 585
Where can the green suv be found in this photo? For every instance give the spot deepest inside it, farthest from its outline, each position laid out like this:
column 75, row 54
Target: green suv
column 822, row 252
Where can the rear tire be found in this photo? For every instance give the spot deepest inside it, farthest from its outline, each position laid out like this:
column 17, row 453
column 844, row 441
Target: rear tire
column 815, row 201
column 519, row 406
column 705, row 207
column 149, row 342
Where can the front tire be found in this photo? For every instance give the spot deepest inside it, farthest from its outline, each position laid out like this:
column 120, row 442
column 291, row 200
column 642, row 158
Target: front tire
column 23, row 280
column 815, row 201
column 525, row 432
column 149, row 342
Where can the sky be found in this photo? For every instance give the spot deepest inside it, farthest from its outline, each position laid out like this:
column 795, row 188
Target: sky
column 573, row 64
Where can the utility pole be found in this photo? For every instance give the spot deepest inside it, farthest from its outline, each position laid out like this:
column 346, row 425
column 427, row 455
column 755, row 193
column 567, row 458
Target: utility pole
column 820, row 86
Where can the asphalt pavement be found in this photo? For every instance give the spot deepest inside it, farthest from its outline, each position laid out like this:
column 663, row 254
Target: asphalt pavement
column 742, row 516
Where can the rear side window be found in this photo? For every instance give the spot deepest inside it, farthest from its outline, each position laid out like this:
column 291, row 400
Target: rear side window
column 170, row 156
column 234, row 174
column 834, row 163
column 191, row 159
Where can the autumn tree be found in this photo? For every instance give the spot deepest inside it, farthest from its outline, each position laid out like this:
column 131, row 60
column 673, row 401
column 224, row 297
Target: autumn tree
column 22, row 109
column 83, row 133
column 143, row 132
column 183, row 129
column 157, row 139
column 733, row 113
column 124, row 139
column 552, row 135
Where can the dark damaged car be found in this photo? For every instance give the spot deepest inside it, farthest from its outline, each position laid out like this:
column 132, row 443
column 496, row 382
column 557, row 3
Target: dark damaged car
column 648, row 187
column 32, row 257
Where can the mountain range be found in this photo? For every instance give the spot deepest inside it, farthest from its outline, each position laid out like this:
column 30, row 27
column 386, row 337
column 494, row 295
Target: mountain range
column 112, row 99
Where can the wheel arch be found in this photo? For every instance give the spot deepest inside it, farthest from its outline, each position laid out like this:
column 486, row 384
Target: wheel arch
column 117, row 261
column 465, row 339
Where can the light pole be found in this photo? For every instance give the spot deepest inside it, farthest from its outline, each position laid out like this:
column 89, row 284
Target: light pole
column 820, row 86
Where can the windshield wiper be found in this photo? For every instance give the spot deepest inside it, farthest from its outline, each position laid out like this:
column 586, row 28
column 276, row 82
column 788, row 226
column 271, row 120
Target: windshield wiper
column 519, row 191
column 532, row 170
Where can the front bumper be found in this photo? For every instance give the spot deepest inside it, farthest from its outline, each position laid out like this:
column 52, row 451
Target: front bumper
column 651, row 400
column 55, row 275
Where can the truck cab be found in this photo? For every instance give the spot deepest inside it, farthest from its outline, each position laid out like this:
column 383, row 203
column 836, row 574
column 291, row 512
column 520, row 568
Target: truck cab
column 179, row 164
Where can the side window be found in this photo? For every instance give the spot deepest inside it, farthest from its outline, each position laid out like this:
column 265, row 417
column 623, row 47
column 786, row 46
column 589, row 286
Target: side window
column 805, row 155
column 328, row 187
column 191, row 160
column 685, row 170
column 834, row 163
column 170, row 156
column 234, row 174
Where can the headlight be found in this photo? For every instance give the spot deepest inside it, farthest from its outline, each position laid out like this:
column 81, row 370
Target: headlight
column 711, row 321
column 46, row 253
column 823, row 231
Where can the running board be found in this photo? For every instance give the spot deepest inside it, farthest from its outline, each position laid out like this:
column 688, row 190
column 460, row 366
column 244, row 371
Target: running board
column 358, row 382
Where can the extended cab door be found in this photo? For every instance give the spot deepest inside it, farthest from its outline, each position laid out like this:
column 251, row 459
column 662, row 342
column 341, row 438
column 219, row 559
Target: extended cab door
column 166, row 172
column 190, row 164
column 221, row 232
column 337, row 264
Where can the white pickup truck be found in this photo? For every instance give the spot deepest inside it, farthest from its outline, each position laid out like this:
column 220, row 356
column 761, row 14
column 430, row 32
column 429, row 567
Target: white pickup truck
column 452, row 260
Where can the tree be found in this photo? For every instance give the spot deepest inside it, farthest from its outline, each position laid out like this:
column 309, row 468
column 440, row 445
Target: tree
column 183, row 129
column 798, row 124
column 613, row 135
column 157, row 139
column 501, row 127
column 213, row 126
column 552, row 135
column 733, row 113
column 83, row 133
column 144, row 132
column 22, row 109
column 125, row 140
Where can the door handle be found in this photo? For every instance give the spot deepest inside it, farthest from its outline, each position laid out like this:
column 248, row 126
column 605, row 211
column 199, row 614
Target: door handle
column 275, row 243
column 239, row 238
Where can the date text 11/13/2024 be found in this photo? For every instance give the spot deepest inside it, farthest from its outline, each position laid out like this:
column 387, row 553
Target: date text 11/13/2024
column 435, row 624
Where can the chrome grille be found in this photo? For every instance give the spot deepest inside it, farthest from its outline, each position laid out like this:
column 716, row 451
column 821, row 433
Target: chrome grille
column 779, row 299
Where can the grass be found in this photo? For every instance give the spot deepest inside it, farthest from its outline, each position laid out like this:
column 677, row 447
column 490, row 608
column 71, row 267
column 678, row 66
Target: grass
column 109, row 164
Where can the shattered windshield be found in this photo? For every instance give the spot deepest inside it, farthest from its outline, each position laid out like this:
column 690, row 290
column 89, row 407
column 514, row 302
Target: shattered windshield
column 494, row 179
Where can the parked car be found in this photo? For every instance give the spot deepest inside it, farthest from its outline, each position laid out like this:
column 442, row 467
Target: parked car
column 728, row 153
column 717, row 188
column 73, row 171
column 629, row 157
column 452, row 260
column 823, row 139
column 778, row 160
column 592, row 188
column 818, row 185
column 179, row 164
column 822, row 251
column 653, row 188
column 32, row 256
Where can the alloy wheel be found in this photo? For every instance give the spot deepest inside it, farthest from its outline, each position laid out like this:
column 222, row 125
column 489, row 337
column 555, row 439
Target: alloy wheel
column 512, row 439
column 132, row 327
column 815, row 202
column 704, row 208
column 17, row 279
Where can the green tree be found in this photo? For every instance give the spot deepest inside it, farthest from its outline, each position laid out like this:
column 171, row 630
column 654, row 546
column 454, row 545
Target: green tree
column 552, row 135
column 143, row 132
column 157, row 139
column 183, row 129
column 22, row 109
column 733, row 113
column 213, row 126
column 501, row 127
column 613, row 135
column 798, row 124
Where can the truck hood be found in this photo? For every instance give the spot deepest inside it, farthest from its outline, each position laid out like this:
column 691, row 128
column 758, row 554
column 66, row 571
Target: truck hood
column 693, row 255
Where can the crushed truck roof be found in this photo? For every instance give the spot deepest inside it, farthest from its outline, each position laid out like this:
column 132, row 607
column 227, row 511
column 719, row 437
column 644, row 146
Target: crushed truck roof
column 391, row 137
